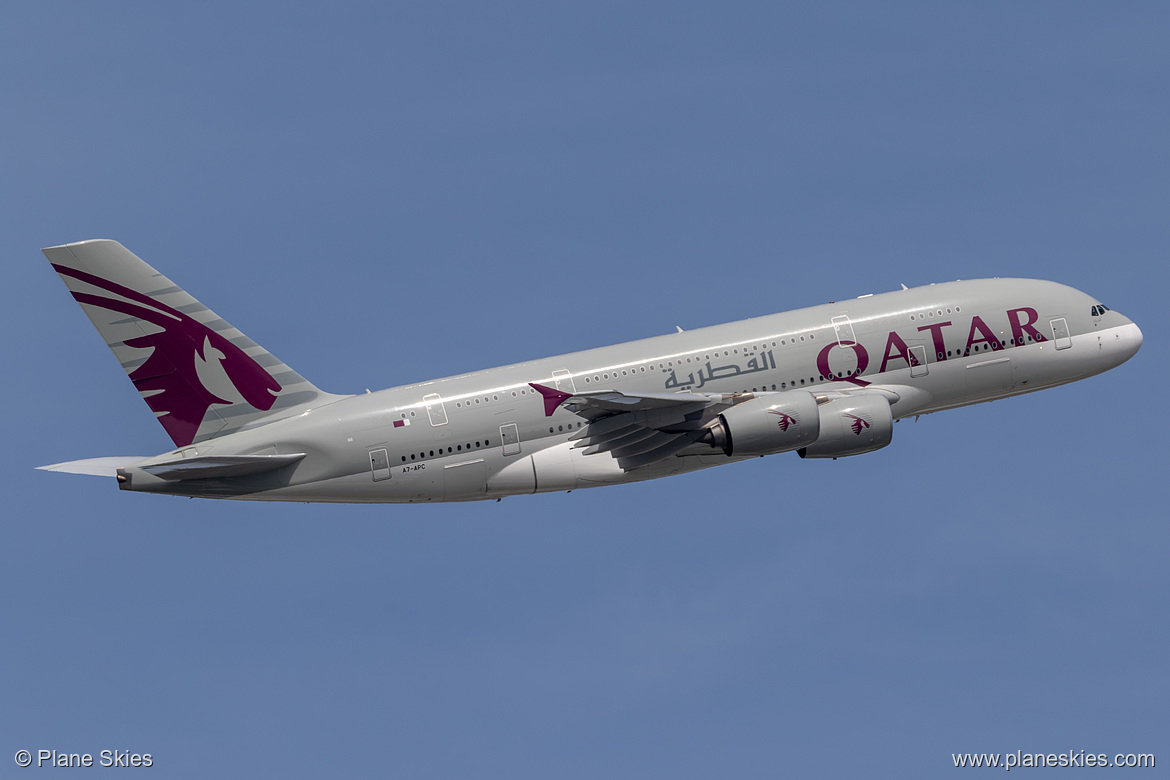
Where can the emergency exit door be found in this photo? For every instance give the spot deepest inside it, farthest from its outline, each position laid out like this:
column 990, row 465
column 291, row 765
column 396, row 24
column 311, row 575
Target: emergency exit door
column 1060, row 333
column 510, row 438
column 379, row 465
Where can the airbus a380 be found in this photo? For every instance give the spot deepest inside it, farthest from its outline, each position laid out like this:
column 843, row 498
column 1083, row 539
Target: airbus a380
column 824, row 382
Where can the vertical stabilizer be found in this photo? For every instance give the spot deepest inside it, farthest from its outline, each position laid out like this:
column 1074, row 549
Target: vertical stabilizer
column 200, row 376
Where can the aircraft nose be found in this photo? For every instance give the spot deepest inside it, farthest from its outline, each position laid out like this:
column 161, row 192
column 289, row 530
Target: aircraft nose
column 1131, row 341
column 1135, row 337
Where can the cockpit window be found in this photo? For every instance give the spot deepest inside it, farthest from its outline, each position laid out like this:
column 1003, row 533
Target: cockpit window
column 1099, row 309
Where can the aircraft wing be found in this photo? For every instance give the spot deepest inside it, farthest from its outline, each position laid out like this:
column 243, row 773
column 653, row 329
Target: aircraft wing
column 637, row 429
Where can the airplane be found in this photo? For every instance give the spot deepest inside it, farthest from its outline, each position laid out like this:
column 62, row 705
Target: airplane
column 825, row 382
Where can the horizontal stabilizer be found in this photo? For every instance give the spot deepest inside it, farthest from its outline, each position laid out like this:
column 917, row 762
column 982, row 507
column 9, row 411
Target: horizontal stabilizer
column 95, row 467
column 214, row 467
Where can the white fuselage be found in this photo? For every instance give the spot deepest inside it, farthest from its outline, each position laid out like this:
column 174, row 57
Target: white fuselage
column 490, row 433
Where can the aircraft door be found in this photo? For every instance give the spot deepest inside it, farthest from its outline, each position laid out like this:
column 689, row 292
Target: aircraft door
column 435, row 409
column 379, row 465
column 1060, row 333
column 918, row 365
column 844, row 330
column 510, row 438
column 563, row 380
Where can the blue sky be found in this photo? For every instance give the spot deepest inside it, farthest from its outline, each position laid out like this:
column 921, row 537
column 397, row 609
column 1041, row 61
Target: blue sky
column 381, row 193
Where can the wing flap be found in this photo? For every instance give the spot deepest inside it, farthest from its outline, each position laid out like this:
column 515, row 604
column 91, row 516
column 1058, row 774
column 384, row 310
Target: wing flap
column 662, row 452
column 623, row 438
column 651, row 443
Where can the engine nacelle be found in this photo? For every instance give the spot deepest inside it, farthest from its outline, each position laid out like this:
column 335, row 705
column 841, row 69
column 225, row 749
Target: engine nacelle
column 851, row 426
column 778, row 422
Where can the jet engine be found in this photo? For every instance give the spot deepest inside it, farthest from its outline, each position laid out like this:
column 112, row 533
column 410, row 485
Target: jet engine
column 851, row 426
column 778, row 422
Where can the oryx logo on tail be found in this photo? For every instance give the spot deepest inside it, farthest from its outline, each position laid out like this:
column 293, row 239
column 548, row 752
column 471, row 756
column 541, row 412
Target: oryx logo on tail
column 169, row 379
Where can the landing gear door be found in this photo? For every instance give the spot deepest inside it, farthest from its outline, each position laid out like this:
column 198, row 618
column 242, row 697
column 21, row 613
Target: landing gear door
column 1060, row 333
